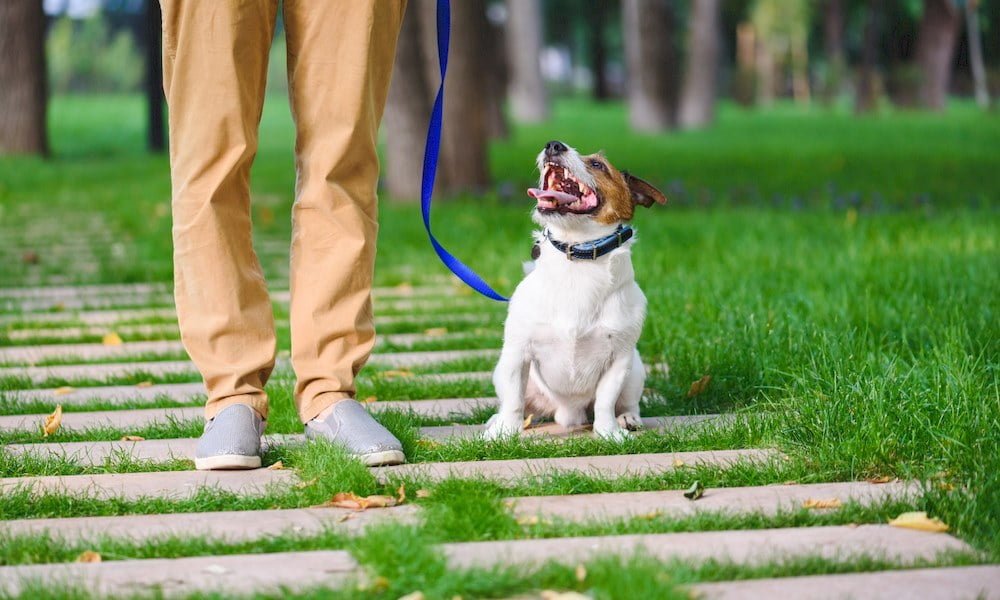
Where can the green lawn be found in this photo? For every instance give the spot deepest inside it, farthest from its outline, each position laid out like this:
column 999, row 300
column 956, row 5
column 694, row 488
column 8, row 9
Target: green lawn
column 837, row 277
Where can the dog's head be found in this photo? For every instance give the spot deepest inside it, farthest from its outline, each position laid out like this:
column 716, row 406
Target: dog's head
column 575, row 189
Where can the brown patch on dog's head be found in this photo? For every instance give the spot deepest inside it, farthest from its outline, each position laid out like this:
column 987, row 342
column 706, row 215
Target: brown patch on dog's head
column 620, row 191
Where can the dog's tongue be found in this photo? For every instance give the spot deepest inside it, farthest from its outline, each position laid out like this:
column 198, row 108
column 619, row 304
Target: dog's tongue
column 552, row 196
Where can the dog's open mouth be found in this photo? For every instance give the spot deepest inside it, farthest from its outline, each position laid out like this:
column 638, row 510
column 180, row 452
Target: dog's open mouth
column 562, row 193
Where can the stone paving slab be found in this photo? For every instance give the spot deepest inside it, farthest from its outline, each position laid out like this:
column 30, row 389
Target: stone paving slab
column 118, row 419
column 230, row 526
column 41, row 335
column 114, row 394
column 112, row 317
column 598, row 466
column 100, row 351
column 178, row 367
column 28, row 306
column 948, row 583
column 743, row 547
column 96, row 453
column 173, row 485
column 553, row 430
column 735, row 500
column 228, row 575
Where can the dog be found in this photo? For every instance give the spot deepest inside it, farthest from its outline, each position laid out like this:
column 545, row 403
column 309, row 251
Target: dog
column 573, row 322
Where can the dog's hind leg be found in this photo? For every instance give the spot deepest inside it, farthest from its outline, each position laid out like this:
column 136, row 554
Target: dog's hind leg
column 627, row 408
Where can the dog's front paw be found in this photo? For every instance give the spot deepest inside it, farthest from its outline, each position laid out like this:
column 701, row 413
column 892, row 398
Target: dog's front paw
column 611, row 432
column 630, row 421
column 500, row 426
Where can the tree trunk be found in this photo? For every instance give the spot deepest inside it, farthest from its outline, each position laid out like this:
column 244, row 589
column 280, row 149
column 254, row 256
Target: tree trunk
column 407, row 111
column 462, row 164
column 23, row 88
column 597, row 9
column 746, row 42
column 156, row 140
column 974, row 35
column 497, row 81
column 529, row 100
column 697, row 105
column 935, row 51
column 833, row 46
column 651, row 63
column 867, row 93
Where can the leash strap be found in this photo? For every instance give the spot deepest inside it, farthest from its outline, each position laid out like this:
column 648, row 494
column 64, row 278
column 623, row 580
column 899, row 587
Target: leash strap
column 431, row 152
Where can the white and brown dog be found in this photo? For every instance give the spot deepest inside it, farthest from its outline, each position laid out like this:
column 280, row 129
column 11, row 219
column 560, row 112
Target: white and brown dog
column 573, row 322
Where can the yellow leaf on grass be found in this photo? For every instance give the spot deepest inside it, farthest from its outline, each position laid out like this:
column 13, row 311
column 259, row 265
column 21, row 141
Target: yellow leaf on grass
column 277, row 466
column 62, row 391
column 423, row 494
column 52, row 422
column 527, row 422
column 435, row 331
column 401, row 493
column 404, row 289
column 356, row 502
column 581, row 573
column 920, row 521
column 678, row 462
column 390, row 374
column 822, row 503
column 699, row 386
column 132, row 438
column 111, row 339
column 88, row 556
column 880, row 479
column 370, row 399
column 144, row 384
column 428, row 443
column 528, row 520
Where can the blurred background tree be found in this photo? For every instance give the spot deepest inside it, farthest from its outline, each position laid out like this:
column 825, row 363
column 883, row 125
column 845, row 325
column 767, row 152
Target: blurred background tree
column 669, row 61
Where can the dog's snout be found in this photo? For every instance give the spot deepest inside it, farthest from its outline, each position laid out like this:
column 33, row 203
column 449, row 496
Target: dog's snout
column 555, row 148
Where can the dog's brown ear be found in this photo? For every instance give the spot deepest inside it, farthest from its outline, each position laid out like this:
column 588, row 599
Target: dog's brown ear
column 643, row 192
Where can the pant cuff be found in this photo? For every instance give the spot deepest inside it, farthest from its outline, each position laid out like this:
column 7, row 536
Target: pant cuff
column 311, row 409
column 258, row 403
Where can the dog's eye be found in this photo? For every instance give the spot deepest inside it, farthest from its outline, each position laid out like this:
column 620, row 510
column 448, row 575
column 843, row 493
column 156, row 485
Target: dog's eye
column 597, row 164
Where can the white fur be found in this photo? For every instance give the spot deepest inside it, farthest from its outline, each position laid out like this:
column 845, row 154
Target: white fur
column 570, row 335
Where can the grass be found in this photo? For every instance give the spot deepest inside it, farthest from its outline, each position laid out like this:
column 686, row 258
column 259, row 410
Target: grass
column 835, row 276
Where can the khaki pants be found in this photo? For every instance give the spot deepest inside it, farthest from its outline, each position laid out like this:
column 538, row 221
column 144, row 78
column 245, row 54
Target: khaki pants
column 340, row 55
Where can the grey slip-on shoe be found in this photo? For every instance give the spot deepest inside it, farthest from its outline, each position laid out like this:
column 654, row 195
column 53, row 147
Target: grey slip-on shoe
column 350, row 426
column 231, row 440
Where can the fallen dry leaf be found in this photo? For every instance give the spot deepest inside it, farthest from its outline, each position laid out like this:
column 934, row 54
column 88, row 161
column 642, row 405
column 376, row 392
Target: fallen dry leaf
column 144, row 384
column 345, row 517
column 304, row 484
column 880, row 479
column 88, row 556
column 699, row 386
column 678, row 462
column 428, row 443
column 527, row 422
column 132, row 438
column 655, row 514
column 52, row 422
column 111, row 339
column 697, row 490
column 423, row 494
column 528, row 520
column 62, row 391
column 401, row 494
column 418, row 595
column 276, row 466
column 822, row 503
column 392, row 373
column 581, row 573
column 404, row 289
column 920, row 521
column 29, row 257
column 356, row 502
column 370, row 399
column 380, row 584
column 435, row 331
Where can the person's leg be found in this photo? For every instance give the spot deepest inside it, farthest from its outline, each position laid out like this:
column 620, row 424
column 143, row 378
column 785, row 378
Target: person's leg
column 340, row 56
column 214, row 71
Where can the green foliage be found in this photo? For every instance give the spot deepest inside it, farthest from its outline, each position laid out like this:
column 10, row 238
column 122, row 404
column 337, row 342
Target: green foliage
column 83, row 56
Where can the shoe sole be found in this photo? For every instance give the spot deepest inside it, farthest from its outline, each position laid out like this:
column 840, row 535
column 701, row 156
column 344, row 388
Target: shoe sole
column 383, row 459
column 227, row 462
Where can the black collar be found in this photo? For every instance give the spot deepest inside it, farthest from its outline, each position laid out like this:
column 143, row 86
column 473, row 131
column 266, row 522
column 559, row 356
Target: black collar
column 592, row 249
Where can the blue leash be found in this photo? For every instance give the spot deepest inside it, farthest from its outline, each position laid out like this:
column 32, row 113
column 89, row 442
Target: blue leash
column 431, row 151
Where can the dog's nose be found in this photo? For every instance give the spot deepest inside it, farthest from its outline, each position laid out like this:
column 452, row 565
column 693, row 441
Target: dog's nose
column 555, row 148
